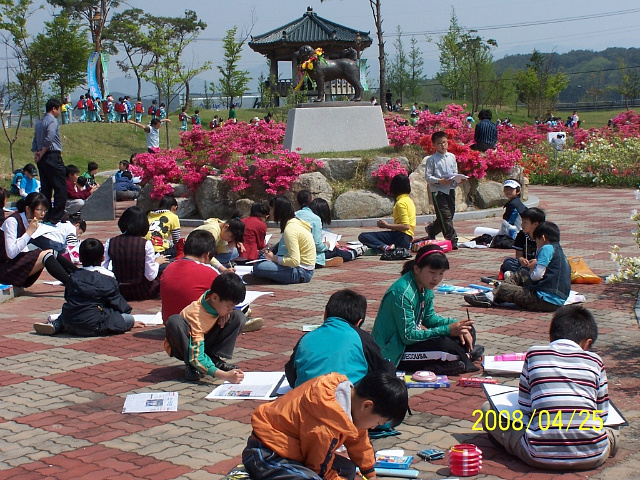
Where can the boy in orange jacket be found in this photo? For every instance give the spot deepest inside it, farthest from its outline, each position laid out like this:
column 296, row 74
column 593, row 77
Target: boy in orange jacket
column 297, row 435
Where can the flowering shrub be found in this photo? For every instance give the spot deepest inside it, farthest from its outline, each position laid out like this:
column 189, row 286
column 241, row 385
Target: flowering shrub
column 386, row 172
column 230, row 151
column 628, row 267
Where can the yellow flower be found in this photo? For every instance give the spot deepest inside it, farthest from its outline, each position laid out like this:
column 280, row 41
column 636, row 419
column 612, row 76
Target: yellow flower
column 319, row 51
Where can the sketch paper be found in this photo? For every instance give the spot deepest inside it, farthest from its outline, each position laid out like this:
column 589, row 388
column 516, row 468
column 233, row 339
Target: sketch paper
column 250, row 297
column 254, row 386
column 151, row 402
column 330, row 238
column 149, row 319
column 490, row 364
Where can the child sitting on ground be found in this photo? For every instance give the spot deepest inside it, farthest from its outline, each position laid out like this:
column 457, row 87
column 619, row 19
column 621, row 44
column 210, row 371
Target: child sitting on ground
column 63, row 238
column 338, row 345
column 524, row 244
column 229, row 237
column 29, row 183
column 563, row 378
column 548, row 285
column 93, row 303
column 124, row 186
column 206, row 330
column 255, row 231
column 164, row 226
column 297, row 435
column 76, row 194
column 90, row 174
column 511, row 219
column 399, row 233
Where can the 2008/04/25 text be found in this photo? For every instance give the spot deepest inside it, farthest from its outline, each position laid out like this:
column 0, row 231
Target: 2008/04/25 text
column 507, row 420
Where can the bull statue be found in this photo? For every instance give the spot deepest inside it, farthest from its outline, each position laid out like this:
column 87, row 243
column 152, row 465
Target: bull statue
column 320, row 70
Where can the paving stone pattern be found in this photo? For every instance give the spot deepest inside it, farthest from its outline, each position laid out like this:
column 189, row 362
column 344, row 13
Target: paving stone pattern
column 61, row 397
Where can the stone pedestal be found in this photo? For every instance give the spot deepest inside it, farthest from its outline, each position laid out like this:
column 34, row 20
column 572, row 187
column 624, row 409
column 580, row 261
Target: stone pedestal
column 101, row 205
column 335, row 127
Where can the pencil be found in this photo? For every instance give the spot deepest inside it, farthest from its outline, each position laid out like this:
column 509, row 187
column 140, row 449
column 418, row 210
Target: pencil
column 468, row 316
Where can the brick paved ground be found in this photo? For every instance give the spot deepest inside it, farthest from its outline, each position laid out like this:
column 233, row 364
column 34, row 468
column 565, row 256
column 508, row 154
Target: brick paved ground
column 61, row 397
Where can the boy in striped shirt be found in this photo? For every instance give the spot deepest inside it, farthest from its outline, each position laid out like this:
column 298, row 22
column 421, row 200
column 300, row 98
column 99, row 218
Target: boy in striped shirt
column 563, row 389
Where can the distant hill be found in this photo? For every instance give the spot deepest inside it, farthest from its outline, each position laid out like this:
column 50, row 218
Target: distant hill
column 585, row 69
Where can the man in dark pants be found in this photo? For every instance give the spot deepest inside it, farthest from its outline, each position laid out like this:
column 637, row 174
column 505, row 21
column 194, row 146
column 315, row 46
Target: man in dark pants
column 47, row 153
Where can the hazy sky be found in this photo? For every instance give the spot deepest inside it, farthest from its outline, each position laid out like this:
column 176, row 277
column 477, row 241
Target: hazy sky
column 518, row 26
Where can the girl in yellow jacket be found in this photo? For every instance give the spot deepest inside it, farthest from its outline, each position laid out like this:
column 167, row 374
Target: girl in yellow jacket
column 295, row 262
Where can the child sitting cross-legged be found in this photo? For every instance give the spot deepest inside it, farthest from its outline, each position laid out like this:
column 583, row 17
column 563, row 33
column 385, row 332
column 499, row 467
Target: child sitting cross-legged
column 548, row 285
column 205, row 331
column 569, row 382
column 297, row 435
column 524, row 245
column 93, row 303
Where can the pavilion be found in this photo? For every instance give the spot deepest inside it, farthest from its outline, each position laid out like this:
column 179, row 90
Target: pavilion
column 280, row 44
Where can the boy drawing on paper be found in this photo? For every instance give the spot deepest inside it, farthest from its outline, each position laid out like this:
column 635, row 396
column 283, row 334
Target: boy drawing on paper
column 297, row 435
column 207, row 329
column 545, row 289
column 338, row 345
column 524, row 245
column 563, row 378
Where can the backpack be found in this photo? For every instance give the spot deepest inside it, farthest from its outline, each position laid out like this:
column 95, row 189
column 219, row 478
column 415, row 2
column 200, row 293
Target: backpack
column 139, row 108
column 151, row 110
column 194, row 120
column 90, row 104
column 120, row 108
column 105, row 106
column 80, row 105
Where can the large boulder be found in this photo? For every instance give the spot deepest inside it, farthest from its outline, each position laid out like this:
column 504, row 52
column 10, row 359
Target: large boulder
column 488, row 194
column 316, row 183
column 462, row 196
column 147, row 203
column 339, row 169
column 243, row 207
column 377, row 161
column 186, row 208
column 517, row 173
column 215, row 198
column 362, row 204
column 420, row 194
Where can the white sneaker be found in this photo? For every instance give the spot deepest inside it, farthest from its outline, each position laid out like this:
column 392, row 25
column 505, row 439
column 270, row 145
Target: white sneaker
column 253, row 324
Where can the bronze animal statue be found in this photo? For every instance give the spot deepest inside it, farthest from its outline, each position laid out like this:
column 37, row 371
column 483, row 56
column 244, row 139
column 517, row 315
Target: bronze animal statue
column 324, row 71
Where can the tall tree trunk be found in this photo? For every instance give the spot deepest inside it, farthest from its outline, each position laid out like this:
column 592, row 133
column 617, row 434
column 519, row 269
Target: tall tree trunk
column 376, row 10
column 187, row 89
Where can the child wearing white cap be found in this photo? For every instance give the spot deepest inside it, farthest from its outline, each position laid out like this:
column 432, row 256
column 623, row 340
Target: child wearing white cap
column 511, row 220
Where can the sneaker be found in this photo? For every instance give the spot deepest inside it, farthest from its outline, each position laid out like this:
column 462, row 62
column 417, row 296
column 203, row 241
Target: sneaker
column 253, row 324
column 476, row 353
column 508, row 275
column 192, row 374
column 455, row 367
column 388, row 248
column 478, row 300
column 222, row 365
column 44, row 328
column 470, row 368
column 333, row 262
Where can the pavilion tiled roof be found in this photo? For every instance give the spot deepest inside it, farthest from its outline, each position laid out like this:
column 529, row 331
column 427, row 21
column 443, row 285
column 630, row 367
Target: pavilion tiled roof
column 309, row 29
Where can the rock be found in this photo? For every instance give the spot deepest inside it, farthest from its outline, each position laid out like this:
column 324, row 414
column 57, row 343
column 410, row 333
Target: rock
column 339, row 169
column 316, row 183
column 214, row 198
column 419, row 193
column 180, row 190
column 186, row 208
column 243, row 207
column 377, row 161
column 462, row 196
column 489, row 194
column 101, row 205
column 362, row 204
column 145, row 202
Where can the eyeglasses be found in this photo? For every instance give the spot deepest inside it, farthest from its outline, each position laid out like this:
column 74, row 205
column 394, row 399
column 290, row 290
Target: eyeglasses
column 45, row 210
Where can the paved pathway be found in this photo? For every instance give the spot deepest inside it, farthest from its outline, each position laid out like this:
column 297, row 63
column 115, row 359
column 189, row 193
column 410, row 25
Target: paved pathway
column 61, row 397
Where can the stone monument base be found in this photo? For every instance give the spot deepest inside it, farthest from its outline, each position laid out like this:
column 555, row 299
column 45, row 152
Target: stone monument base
column 335, row 127
column 101, row 205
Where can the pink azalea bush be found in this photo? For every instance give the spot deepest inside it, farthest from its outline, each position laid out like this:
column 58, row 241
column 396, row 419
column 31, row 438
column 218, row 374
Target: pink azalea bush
column 237, row 152
column 386, row 172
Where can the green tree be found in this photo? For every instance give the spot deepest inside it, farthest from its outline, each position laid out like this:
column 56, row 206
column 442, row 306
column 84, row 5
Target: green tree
column 95, row 13
column 538, row 86
column 629, row 86
column 450, row 76
column 501, row 89
column 399, row 76
column 233, row 82
column 476, row 67
column 67, row 69
column 27, row 71
column 416, row 70
column 127, row 32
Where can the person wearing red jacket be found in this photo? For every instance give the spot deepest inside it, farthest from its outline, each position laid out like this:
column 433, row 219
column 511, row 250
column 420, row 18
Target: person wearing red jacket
column 76, row 193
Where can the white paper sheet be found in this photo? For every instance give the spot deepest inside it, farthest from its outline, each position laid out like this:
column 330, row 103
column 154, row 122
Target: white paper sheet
column 56, row 283
column 42, row 229
column 505, row 398
column 458, row 177
column 267, row 237
column 250, row 297
column 242, row 270
column 149, row 319
column 330, row 238
column 151, row 402
column 254, row 386
column 490, row 364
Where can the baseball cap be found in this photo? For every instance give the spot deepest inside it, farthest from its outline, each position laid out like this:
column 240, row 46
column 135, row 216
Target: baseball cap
column 31, row 170
column 511, row 184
